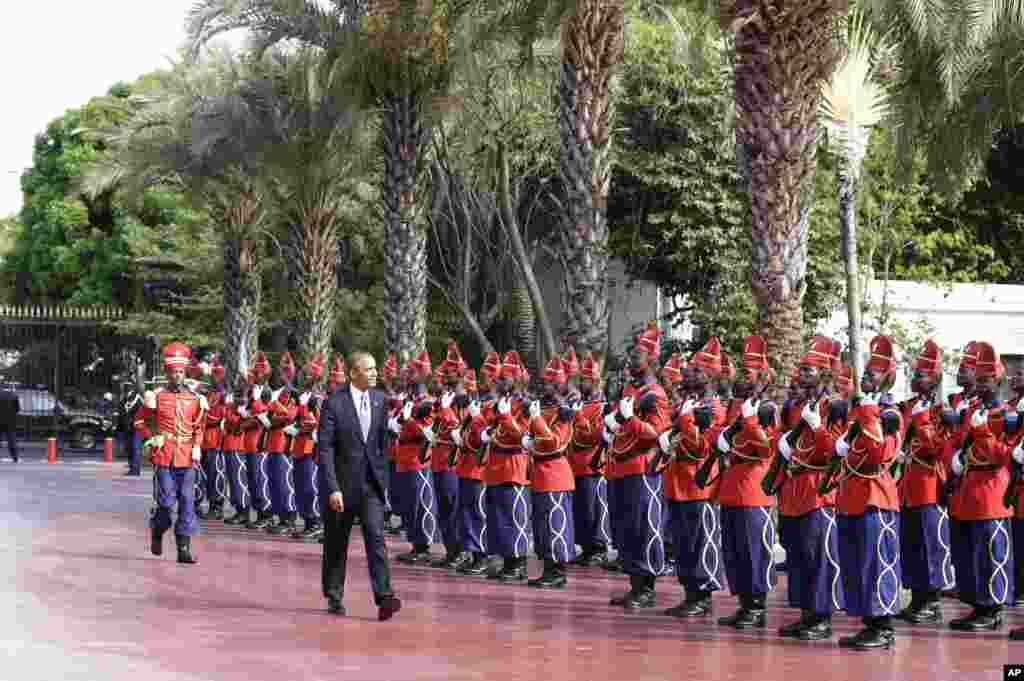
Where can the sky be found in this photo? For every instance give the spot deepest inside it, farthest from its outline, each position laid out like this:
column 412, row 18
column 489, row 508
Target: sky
column 57, row 54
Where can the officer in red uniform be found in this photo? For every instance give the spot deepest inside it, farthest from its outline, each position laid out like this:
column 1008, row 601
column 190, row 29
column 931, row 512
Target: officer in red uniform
column 254, row 424
column 694, row 516
column 868, row 504
column 747, row 440
column 632, row 434
column 498, row 430
column 282, row 412
column 807, row 518
column 171, row 421
column 590, row 500
column 924, row 523
column 546, row 441
column 303, row 434
column 980, row 528
column 449, row 411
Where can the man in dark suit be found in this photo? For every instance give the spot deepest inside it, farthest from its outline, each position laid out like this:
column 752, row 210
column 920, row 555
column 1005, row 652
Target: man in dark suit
column 9, row 420
column 353, row 425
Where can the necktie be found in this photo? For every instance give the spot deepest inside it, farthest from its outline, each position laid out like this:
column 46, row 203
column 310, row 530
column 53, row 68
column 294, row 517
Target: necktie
column 364, row 416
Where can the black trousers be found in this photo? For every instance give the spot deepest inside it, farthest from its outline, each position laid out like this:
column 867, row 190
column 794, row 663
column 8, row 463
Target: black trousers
column 369, row 508
column 12, row 441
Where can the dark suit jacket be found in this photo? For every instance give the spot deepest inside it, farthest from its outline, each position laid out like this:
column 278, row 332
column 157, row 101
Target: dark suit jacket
column 344, row 455
column 8, row 409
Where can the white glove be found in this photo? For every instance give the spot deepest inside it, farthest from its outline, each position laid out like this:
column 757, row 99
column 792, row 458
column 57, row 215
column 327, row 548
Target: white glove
column 534, row 409
column 665, row 441
column 957, row 463
column 264, row 419
column 401, row 397
column 1018, row 453
column 979, row 418
column 157, row 441
column 920, row 407
column 723, row 444
column 474, row 409
column 577, row 406
column 749, row 408
column 626, row 408
column 407, row 411
column 607, row 436
column 811, row 417
column 203, row 404
column 869, row 400
column 688, row 406
column 197, row 454
column 428, row 433
column 304, row 399
column 257, row 391
column 611, row 423
column 485, row 435
column 961, row 408
column 526, row 442
column 842, row 447
column 447, row 399
column 316, row 435
column 274, row 394
column 1020, row 406
column 229, row 398
column 243, row 412
column 205, row 368
column 457, row 437
column 784, row 449
column 504, row 406
column 223, row 426
column 901, row 456
column 394, row 426
column 291, row 430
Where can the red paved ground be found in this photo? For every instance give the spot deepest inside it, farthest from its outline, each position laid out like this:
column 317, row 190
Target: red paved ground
column 90, row 603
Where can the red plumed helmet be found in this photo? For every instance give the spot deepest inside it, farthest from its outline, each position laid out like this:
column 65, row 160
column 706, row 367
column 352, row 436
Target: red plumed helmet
column 755, row 353
column 673, row 369
column 422, row 363
column 969, row 359
column 315, row 367
column 492, row 365
column 883, row 356
column 990, row 365
column 511, row 367
column 930, row 359
column 571, row 364
column 261, row 368
column 649, row 341
column 591, row 368
column 709, row 358
column 821, row 353
column 176, row 356
column 554, row 372
column 390, row 370
column 338, row 374
column 286, row 367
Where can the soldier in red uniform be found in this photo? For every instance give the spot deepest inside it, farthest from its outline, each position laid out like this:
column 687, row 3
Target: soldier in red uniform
column 546, row 441
column 171, row 421
column 193, row 382
column 254, row 423
column 449, row 411
column 394, row 398
column 571, row 365
column 498, row 430
column 632, row 433
column 807, row 518
column 980, row 527
column 282, row 412
column 213, row 455
column 694, row 515
column 234, row 453
column 748, row 534
column 303, row 434
column 868, row 504
column 590, row 500
column 924, row 523
column 339, row 375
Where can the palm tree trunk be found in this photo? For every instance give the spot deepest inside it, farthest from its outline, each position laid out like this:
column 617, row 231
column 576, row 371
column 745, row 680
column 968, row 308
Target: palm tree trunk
column 405, row 243
column 243, row 292
column 313, row 256
column 524, row 324
column 848, row 228
column 592, row 43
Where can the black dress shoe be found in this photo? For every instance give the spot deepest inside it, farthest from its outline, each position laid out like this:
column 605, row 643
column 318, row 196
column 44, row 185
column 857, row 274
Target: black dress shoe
column 930, row 613
column 636, row 600
column 156, row 542
column 744, row 619
column 618, row 600
column 240, row 518
column 262, row 522
column 815, row 631
column 414, row 557
column 549, row 580
column 477, row 567
column 336, row 608
column 613, row 565
column 691, row 608
column 389, row 605
column 510, row 576
column 309, row 533
column 978, row 620
column 1017, row 635
column 185, row 556
column 869, row 639
column 281, row 529
column 793, row 628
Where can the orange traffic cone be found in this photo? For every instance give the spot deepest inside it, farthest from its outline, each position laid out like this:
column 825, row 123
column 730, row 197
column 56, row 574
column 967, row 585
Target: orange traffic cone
column 51, row 450
column 108, row 450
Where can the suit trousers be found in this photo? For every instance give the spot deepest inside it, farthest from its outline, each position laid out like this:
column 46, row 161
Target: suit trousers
column 368, row 506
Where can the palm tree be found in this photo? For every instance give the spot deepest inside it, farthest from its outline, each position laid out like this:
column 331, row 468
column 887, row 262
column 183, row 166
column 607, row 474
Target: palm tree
column 173, row 139
column 853, row 102
column 784, row 50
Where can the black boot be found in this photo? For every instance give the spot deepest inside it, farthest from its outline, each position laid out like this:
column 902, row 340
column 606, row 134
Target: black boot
column 513, row 571
column 750, row 614
column 553, row 577
column 477, row 567
column 216, row 511
column 241, row 517
column 794, row 628
column 636, row 585
column 642, row 599
column 185, row 550
column 930, row 611
column 262, row 522
column 696, row 604
column 877, row 634
column 613, row 565
column 460, row 559
column 419, row 554
column 981, row 619
column 156, row 542
column 1017, row 635
column 818, row 628
column 286, row 526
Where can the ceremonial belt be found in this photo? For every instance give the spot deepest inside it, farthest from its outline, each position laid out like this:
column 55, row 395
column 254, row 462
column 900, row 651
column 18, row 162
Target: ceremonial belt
column 633, row 454
column 507, row 451
column 982, row 467
column 410, row 442
column 870, row 468
column 176, row 438
column 548, row 457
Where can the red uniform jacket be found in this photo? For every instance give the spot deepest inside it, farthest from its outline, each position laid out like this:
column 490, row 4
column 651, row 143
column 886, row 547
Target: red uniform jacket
column 986, row 473
column 179, row 417
column 309, row 420
column 445, row 421
column 551, row 438
column 232, row 430
column 283, row 412
column 213, row 433
column 636, row 442
column 751, row 457
column 586, row 438
column 865, row 480
column 811, row 456
column 506, row 462
column 692, row 447
column 923, row 472
column 252, row 429
column 411, row 441
column 473, row 449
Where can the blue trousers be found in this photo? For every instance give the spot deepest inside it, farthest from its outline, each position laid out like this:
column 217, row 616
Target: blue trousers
column 813, row 580
column 508, row 514
column 748, row 542
column 281, row 483
column 419, row 506
column 869, row 557
column 613, row 491
column 446, row 489
column 259, row 481
column 983, row 556
column 134, row 443
column 472, row 515
column 925, row 549
column 553, row 526
column 307, row 488
column 590, row 513
column 697, row 540
column 174, row 486
column 216, row 476
column 638, row 517
column 238, row 480
column 199, row 494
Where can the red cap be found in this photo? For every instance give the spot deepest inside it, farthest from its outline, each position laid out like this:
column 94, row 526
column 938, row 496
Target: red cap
column 755, row 353
column 989, row 363
column 453, row 363
column 969, row 360
column 930, row 359
column 844, row 380
column 590, row 369
column 554, row 372
column 492, row 365
column 315, row 367
column 709, row 358
column 469, row 382
column 409, row 371
column 822, row 352
column 390, row 370
column 286, row 367
column 217, row 369
column 176, row 355
column 422, row 365
column 728, row 370
column 511, row 367
column 338, row 371
column 883, row 357
column 571, row 364
column 673, row 369
column 649, row 341
column 261, row 368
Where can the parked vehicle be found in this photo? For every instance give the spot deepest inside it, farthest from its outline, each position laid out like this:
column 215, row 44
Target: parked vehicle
column 41, row 414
